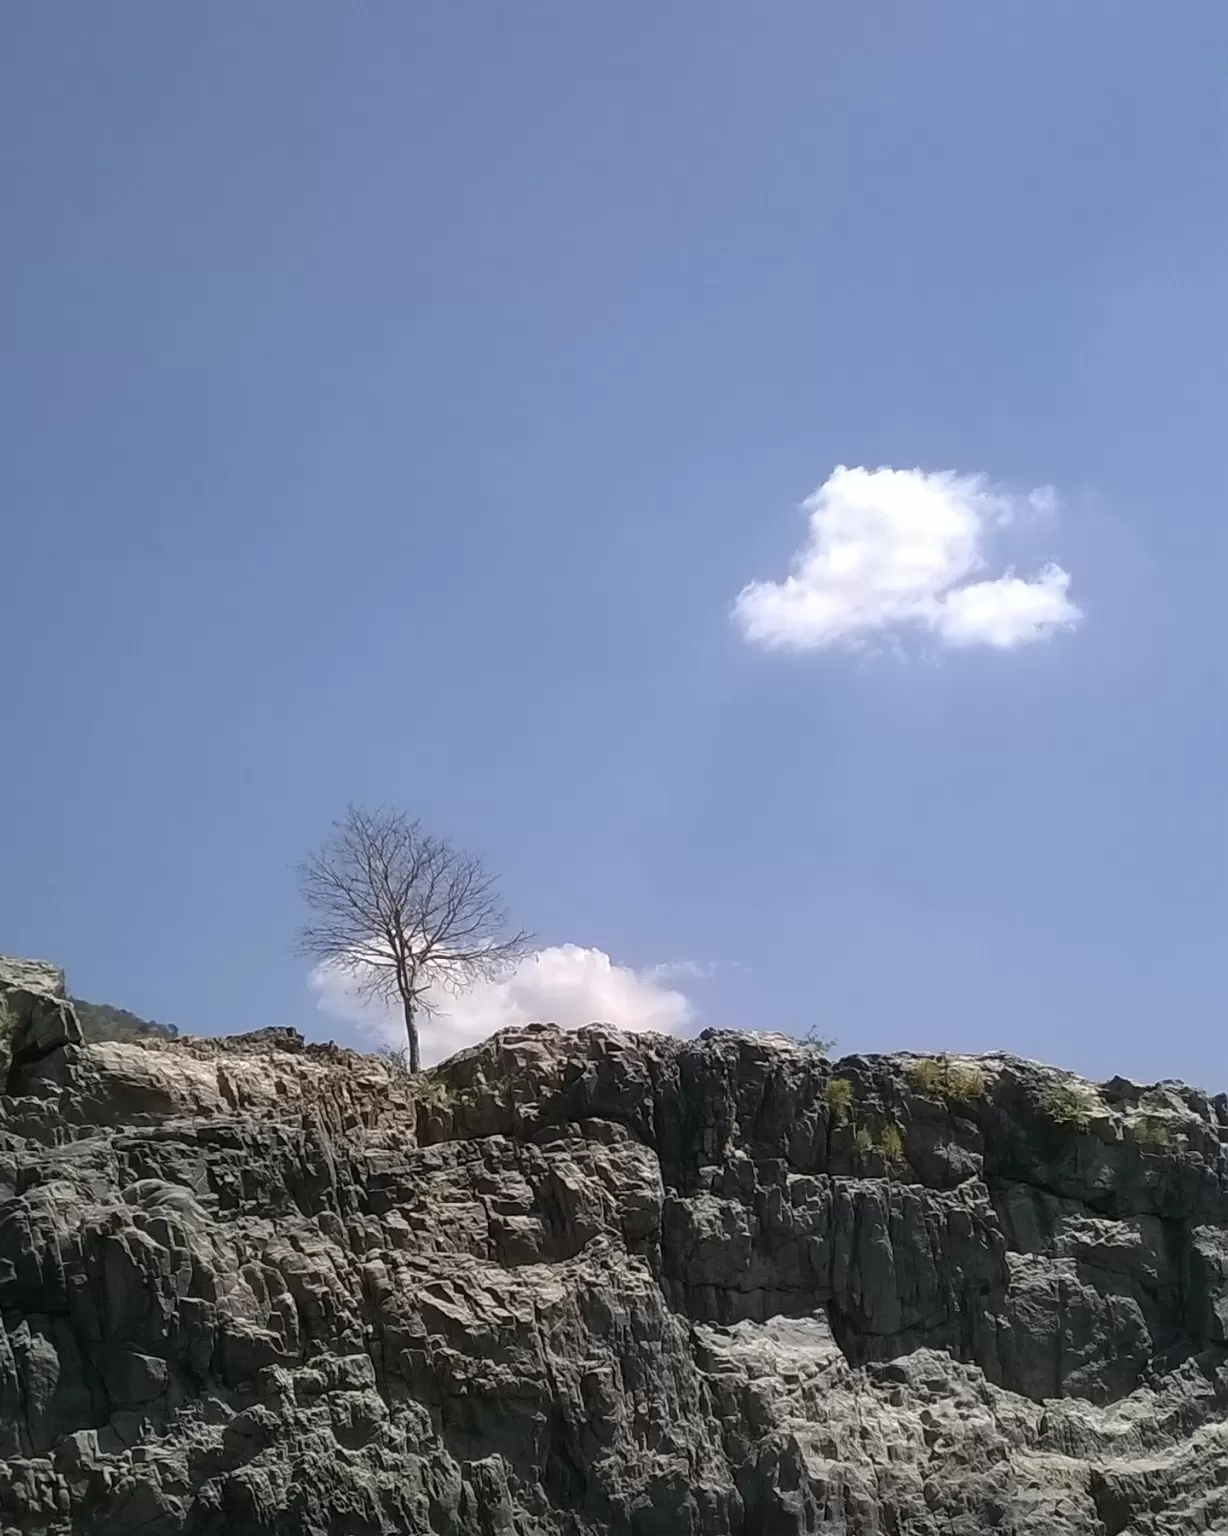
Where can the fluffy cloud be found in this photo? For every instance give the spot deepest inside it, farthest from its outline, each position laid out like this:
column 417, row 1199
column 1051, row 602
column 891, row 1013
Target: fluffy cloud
column 564, row 984
column 891, row 550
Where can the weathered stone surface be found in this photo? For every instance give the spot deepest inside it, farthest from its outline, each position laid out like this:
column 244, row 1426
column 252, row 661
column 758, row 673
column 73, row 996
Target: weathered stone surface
column 35, row 1017
column 31, row 975
column 589, row 1283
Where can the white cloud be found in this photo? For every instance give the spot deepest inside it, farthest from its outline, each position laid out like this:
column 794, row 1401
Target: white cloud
column 1008, row 611
column 564, row 984
column 895, row 549
column 1043, row 500
column 685, row 970
column 696, row 970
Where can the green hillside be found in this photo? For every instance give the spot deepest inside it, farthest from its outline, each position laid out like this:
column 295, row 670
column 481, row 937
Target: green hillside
column 99, row 1021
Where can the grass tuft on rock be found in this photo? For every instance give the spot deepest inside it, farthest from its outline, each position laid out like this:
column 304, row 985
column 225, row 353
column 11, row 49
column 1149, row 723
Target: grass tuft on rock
column 839, row 1096
column 892, row 1144
column 1068, row 1105
column 958, row 1082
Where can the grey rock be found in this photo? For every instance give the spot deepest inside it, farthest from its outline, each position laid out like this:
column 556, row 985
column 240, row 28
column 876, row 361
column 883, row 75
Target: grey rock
column 584, row 1284
column 31, row 976
column 36, row 1019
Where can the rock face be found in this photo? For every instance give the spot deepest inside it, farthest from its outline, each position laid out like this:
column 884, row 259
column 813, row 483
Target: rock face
column 601, row 1285
column 35, row 1018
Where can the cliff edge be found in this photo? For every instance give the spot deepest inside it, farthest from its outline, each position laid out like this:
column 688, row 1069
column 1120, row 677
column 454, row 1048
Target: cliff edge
column 593, row 1284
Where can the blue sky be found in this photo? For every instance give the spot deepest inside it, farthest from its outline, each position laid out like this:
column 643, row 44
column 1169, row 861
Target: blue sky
column 396, row 399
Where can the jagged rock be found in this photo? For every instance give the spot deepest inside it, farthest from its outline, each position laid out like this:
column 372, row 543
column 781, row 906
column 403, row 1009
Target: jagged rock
column 35, row 1017
column 578, row 1284
column 31, row 975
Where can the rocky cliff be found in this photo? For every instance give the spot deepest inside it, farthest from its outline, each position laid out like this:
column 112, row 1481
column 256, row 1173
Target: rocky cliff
column 593, row 1283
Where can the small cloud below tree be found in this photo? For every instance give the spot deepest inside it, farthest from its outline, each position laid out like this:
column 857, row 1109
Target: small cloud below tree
column 565, row 984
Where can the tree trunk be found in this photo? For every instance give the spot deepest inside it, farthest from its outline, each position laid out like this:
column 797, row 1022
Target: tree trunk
column 411, row 1035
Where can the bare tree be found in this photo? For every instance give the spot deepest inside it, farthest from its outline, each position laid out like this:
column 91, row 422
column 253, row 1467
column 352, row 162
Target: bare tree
column 401, row 913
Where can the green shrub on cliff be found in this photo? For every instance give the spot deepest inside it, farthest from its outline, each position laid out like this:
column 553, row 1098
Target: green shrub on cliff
column 956, row 1081
column 892, row 1144
column 839, row 1096
column 1069, row 1105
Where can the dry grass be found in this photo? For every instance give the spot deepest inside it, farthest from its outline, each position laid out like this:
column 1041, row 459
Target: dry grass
column 1069, row 1105
column 958, row 1082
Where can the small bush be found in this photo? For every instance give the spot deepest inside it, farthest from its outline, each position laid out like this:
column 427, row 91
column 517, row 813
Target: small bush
column 1068, row 1105
column 955, row 1081
column 395, row 1057
column 863, row 1141
column 964, row 1082
column 425, row 1087
column 839, row 1096
column 892, row 1144
column 819, row 1045
column 926, row 1076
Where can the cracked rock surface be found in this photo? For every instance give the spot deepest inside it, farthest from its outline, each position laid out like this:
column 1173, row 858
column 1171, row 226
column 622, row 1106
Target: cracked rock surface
column 592, row 1284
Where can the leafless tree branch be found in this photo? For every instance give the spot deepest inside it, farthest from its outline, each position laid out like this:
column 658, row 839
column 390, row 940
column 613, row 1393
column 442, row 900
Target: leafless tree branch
column 399, row 911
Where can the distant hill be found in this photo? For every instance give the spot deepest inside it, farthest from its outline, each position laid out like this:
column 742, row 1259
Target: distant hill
column 99, row 1021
